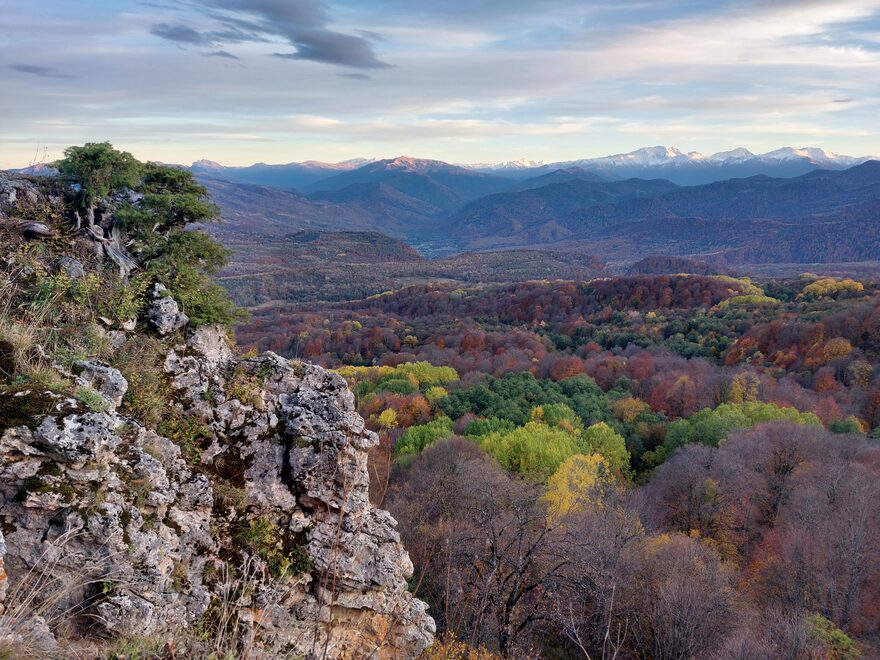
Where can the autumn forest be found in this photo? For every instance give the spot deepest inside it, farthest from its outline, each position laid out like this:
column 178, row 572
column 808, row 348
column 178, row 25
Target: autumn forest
column 659, row 466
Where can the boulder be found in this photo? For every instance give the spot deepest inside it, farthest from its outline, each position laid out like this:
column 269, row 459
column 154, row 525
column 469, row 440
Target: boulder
column 104, row 379
column 165, row 316
column 71, row 267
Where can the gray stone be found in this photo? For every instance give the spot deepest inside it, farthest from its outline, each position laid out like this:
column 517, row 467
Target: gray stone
column 104, row 379
column 94, row 498
column 304, row 448
column 165, row 316
column 71, row 267
column 32, row 634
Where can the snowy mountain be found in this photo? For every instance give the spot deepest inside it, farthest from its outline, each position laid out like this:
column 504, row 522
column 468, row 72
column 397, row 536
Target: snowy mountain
column 660, row 162
column 503, row 168
column 694, row 168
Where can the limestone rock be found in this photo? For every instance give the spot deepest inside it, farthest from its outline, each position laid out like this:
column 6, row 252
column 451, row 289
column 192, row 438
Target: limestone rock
column 105, row 380
column 105, row 518
column 293, row 432
column 134, row 538
column 32, row 633
column 165, row 316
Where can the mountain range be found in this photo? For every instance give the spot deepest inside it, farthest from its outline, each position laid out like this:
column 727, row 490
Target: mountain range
column 831, row 213
column 651, row 162
column 823, row 215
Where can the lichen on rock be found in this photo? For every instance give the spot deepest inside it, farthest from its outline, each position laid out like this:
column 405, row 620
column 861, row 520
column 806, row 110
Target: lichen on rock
column 122, row 531
column 293, row 430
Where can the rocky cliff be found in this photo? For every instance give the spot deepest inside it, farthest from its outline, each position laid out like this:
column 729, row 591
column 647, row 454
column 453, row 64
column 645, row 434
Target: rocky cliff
column 257, row 537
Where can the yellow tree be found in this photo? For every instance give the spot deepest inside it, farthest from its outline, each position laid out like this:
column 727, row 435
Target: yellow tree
column 572, row 486
column 388, row 419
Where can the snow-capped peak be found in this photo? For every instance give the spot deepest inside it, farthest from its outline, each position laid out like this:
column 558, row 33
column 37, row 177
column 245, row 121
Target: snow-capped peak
column 815, row 154
column 738, row 155
column 648, row 156
column 205, row 164
column 519, row 164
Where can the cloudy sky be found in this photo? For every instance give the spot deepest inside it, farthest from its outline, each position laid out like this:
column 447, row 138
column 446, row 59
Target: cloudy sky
column 241, row 81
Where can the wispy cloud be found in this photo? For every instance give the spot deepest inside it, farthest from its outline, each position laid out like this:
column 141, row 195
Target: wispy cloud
column 182, row 34
column 42, row 71
column 303, row 25
column 225, row 54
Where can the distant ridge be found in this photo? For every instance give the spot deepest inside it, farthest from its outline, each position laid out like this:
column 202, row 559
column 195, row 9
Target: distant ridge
column 658, row 162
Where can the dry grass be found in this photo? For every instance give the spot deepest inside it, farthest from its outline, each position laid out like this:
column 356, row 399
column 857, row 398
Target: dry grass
column 42, row 595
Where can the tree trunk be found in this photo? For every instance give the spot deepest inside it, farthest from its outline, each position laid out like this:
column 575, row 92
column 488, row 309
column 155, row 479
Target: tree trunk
column 109, row 239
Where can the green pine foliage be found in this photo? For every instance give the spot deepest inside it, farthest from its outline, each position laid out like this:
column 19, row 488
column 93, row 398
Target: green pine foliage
column 158, row 226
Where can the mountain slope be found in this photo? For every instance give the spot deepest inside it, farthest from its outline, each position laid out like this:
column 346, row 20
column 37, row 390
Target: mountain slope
column 814, row 194
column 433, row 182
column 563, row 175
column 820, row 216
column 543, row 214
column 264, row 210
column 289, row 176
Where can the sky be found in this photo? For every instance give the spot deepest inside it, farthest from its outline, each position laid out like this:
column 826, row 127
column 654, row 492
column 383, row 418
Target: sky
column 467, row 81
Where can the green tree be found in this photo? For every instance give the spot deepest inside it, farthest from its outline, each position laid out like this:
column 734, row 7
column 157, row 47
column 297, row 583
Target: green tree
column 849, row 425
column 534, row 450
column 435, row 393
column 558, row 415
column 603, row 440
column 98, row 169
column 425, row 373
column 711, row 425
column 416, row 438
column 151, row 232
column 480, row 427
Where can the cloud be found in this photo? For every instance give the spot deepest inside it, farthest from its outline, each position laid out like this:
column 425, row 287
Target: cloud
column 222, row 53
column 179, row 33
column 42, row 71
column 304, row 25
column 354, row 76
column 333, row 48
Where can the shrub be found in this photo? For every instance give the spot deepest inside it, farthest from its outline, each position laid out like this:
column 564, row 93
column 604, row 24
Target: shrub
column 284, row 557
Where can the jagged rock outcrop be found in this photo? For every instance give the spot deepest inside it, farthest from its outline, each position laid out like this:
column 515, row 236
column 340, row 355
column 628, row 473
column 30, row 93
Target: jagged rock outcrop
column 103, row 379
column 300, row 448
column 104, row 518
